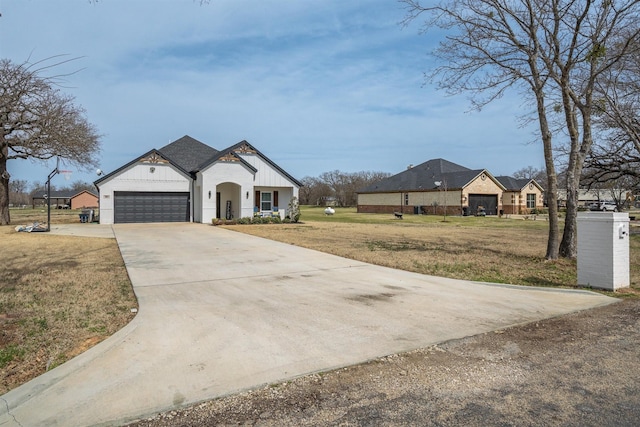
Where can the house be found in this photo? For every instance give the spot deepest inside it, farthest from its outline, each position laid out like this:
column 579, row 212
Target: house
column 65, row 199
column 522, row 196
column 438, row 186
column 84, row 199
column 595, row 195
column 189, row 181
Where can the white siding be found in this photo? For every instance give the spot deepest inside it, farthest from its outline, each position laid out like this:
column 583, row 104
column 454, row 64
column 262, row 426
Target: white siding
column 139, row 177
column 603, row 250
column 226, row 172
column 267, row 175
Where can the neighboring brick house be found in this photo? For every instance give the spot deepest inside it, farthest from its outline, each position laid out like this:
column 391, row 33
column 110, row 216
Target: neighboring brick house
column 436, row 186
column 84, row 199
column 522, row 196
column 66, row 199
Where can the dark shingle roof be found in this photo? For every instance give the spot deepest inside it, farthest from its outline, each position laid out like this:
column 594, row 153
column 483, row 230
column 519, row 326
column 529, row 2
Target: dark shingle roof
column 424, row 176
column 514, row 184
column 188, row 153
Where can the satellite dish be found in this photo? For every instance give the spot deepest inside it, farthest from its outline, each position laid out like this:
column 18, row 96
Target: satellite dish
column 99, row 172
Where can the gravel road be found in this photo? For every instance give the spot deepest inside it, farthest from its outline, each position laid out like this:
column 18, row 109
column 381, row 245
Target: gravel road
column 581, row 369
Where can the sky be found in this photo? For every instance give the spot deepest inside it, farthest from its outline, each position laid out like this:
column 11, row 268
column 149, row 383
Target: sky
column 315, row 85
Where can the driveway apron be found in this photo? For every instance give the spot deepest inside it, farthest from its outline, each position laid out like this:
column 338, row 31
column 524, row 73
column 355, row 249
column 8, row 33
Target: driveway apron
column 221, row 312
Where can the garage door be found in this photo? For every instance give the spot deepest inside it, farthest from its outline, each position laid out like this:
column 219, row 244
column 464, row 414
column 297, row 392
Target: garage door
column 139, row 206
column 488, row 202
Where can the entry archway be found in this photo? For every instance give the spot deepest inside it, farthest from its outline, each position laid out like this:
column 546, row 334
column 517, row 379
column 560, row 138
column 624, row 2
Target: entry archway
column 228, row 200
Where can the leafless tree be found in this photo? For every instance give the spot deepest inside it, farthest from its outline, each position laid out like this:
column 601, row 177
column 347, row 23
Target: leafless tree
column 314, row 191
column 344, row 186
column 554, row 52
column 530, row 172
column 39, row 122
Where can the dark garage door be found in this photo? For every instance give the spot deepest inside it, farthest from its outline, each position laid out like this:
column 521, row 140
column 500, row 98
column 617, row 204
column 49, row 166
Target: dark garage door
column 140, row 206
column 489, row 202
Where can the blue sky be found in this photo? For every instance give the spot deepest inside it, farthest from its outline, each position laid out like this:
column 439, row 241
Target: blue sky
column 314, row 85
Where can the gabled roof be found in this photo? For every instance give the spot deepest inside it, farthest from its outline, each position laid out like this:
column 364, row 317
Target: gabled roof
column 424, row 177
column 227, row 155
column 154, row 155
column 190, row 156
column 188, row 152
column 244, row 147
column 513, row 184
column 516, row 184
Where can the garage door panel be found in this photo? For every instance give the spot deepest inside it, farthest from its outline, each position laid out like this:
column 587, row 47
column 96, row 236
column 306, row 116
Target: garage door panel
column 140, row 206
column 487, row 201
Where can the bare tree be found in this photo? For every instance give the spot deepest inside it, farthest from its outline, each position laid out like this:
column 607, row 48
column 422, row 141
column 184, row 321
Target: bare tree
column 38, row 122
column 18, row 194
column 617, row 154
column 531, row 172
column 313, row 191
column 344, row 186
column 554, row 51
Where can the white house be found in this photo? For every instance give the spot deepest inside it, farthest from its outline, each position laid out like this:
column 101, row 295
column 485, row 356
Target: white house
column 188, row 181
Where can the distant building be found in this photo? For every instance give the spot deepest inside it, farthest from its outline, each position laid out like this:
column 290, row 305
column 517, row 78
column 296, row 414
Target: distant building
column 438, row 186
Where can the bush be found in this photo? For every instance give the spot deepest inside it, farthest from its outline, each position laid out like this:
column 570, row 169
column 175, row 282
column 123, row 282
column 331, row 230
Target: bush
column 294, row 210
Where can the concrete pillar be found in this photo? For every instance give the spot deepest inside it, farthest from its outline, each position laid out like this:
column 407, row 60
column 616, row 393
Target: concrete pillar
column 603, row 250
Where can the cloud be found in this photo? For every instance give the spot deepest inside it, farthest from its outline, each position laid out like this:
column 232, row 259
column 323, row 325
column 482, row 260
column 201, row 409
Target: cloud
column 315, row 85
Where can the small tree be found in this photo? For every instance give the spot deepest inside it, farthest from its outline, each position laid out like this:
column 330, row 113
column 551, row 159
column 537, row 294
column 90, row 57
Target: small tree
column 38, row 122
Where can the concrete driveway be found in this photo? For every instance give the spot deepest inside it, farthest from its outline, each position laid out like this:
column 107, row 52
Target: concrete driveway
column 222, row 312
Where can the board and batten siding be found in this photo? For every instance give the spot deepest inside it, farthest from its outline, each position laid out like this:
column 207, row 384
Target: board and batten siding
column 267, row 175
column 141, row 177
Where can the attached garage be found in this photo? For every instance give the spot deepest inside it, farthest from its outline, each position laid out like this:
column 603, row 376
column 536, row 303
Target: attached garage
column 142, row 206
column 487, row 201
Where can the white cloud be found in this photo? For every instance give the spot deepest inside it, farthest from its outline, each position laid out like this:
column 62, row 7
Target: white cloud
column 316, row 85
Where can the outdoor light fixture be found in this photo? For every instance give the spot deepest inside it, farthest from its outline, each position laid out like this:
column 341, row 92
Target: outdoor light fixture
column 247, row 194
column 209, row 193
column 152, row 169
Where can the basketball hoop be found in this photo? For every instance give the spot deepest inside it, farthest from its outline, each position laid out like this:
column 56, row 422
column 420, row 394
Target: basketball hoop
column 65, row 174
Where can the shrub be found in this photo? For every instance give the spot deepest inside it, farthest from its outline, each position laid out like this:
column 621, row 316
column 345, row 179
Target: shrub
column 294, row 209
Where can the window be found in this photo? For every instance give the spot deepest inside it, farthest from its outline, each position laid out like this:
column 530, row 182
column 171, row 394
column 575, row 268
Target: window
column 265, row 201
column 531, row 201
column 406, row 199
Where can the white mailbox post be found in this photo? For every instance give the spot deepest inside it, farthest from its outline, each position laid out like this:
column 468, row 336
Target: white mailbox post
column 603, row 250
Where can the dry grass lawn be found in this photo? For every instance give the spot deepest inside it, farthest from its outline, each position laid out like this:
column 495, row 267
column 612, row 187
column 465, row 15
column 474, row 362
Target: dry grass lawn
column 497, row 250
column 59, row 295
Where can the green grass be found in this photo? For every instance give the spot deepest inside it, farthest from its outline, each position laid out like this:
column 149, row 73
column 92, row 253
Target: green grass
column 350, row 215
column 10, row 353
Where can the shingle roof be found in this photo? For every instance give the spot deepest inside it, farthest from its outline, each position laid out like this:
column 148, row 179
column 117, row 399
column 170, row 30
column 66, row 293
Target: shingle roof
column 188, row 153
column 190, row 156
column 514, row 184
column 424, row 177
column 236, row 146
column 55, row 194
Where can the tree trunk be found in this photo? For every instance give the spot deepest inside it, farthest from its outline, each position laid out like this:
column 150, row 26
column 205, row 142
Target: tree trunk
column 4, row 188
column 577, row 156
column 552, row 195
column 552, row 180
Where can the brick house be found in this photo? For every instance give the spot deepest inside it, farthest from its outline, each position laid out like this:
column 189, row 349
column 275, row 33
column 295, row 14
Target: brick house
column 437, row 186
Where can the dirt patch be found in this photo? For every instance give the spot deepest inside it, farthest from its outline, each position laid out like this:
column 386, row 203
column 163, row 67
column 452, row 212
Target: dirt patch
column 576, row 370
